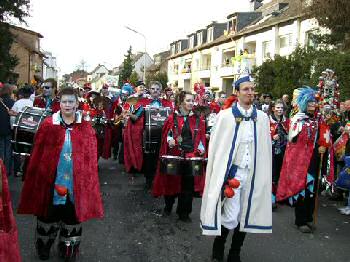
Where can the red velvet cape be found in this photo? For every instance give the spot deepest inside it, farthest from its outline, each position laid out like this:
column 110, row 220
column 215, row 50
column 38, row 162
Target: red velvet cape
column 133, row 136
column 40, row 102
column 41, row 172
column 9, row 247
column 295, row 165
column 169, row 184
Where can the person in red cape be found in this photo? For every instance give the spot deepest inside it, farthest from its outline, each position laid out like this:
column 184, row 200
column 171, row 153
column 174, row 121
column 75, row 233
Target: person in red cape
column 279, row 127
column 61, row 186
column 48, row 99
column 109, row 114
column 299, row 173
column 9, row 246
column 183, row 134
column 133, row 135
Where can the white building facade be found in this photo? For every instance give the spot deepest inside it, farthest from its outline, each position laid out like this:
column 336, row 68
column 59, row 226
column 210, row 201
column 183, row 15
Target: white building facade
column 276, row 28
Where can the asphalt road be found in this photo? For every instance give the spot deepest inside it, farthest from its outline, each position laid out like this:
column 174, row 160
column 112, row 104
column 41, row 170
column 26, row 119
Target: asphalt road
column 134, row 231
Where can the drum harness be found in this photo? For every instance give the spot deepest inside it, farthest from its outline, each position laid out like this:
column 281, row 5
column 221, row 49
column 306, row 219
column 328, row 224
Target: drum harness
column 178, row 135
column 6, row 107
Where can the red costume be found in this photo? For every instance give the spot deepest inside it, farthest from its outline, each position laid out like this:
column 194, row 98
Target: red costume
column 297, row 160
column 41, row 102
column 41, row 172
column 214, row 107
column 168, row 185
column 9, row 248
column 133, row 137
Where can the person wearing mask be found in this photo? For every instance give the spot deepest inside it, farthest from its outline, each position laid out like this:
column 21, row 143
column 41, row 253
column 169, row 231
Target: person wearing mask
column 299, row 173
column 62, row 186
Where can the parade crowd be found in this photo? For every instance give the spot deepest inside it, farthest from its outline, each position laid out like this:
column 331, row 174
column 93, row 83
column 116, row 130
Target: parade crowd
column 243, row 155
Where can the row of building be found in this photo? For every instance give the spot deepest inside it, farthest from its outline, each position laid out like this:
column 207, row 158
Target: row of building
column 217, row 54
column 33, row 62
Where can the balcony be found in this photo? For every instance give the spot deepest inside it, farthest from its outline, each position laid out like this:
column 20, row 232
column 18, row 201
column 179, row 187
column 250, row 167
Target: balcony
column 204, row 72
column 239, row 65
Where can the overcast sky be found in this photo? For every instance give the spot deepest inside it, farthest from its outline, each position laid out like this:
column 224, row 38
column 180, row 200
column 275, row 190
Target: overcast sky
column 94, row 30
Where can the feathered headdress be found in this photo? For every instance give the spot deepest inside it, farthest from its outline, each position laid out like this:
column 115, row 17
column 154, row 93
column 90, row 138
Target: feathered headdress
column 302, row 96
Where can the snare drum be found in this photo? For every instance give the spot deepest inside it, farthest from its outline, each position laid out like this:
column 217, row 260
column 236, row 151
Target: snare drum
column 171, row 165
column 25, row 127
column 195, row 166
column 154, row 121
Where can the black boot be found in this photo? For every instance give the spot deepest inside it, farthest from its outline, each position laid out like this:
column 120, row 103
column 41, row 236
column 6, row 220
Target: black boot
column 45, row 237
column 219, row 245
column 237, row 242
column 69, row 241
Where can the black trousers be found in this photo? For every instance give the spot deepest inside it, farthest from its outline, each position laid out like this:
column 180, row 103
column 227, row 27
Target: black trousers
column 236, row 244
column 150, row 166
column 185, row 198
column 61, row 213
column 304, row 209
column 277, row 161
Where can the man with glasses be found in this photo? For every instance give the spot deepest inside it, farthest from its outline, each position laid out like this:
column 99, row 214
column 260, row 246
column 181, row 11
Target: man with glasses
column 62, row 186
column 48, row 99
column 133, row 137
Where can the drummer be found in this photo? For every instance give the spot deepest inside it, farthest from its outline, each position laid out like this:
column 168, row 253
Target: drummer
column 133, row 151
column 183, row 135
column 48, row 99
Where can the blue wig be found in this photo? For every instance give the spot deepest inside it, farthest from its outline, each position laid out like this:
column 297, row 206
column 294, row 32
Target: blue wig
column 127, row 88
column 305, row 96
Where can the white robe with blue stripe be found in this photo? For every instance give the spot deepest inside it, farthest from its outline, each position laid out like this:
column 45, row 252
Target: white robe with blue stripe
column 256, row 209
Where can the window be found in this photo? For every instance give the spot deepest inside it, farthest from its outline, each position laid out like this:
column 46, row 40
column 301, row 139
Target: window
column 266, row 49
column 199, row 38
column 192, row 41
column 233, row 25
column 311, row 38
column 285, row 41
column 178, row 45
column 210, row 34
column 172, row 49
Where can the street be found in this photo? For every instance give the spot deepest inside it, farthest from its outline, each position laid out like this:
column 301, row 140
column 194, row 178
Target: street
column 133, row 230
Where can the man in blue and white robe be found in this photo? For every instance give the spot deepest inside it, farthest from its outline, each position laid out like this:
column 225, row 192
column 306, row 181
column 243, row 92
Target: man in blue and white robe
column 240, row 147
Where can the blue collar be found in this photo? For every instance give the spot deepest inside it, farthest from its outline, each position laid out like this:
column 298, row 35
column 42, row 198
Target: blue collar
column 239, row 117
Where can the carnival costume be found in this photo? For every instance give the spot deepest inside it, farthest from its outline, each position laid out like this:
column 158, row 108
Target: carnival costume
column 249, row 210
column 189, row 133
column 61, row 186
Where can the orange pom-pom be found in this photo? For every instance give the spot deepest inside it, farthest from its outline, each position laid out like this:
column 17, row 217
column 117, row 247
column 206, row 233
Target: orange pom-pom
column 234, row 183
column 229, row 193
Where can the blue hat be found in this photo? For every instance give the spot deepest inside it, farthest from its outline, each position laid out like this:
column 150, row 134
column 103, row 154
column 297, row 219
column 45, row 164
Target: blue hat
column 242, row 80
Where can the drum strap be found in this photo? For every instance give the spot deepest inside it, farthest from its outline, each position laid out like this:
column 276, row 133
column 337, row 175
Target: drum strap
column 195, row 129
column 2, row 102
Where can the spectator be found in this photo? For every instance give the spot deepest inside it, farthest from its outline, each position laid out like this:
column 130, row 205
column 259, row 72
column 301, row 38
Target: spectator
column 287, row 104
column 6, row 102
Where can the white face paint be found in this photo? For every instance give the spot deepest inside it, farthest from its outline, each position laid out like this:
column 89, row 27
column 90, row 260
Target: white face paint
column 68, row 105
column 155, row 91
column 47, row 89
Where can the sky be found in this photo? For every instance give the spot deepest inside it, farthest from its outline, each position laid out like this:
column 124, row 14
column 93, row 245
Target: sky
column 94, row 31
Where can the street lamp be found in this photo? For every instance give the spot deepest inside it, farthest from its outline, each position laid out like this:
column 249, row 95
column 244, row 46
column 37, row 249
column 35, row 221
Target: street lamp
column 144, row 56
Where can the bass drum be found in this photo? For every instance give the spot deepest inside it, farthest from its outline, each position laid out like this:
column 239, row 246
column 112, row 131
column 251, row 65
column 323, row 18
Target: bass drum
column 154, row 121
column 25, row 127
